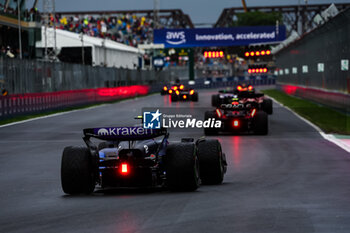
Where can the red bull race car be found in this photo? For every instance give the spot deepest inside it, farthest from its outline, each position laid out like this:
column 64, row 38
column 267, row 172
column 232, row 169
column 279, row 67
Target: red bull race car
column 243, row 93
column 241, row 110
column 239, row 116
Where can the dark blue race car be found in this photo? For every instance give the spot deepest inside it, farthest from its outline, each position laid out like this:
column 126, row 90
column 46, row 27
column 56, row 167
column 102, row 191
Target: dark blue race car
column 132, row 157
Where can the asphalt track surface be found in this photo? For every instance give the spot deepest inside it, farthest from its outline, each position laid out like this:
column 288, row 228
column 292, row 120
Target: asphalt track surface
column 289, row 181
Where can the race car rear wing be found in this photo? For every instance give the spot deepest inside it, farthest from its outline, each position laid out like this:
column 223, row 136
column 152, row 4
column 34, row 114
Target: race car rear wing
column 243, row 94
column 123, row 133
column 250, row 95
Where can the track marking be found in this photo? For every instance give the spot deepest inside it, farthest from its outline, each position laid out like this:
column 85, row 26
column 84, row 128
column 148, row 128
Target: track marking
column 328, row 137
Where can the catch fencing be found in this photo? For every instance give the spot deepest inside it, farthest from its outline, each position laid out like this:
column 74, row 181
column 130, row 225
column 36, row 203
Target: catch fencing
column 31, row 76
column 318, row 59
column 37, row 87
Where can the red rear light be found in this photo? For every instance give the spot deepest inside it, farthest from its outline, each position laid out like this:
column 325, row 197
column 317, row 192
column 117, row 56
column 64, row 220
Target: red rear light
column 182, row 87
column 236, row 123
column 250, row 87
column 257, row 53
column 170, row 91
column 239, row 88
column 268, row 52
column 246, row 54
column 249, row 71
column 252, row 54
column 218, row 112
column 191, row 92
column 235, row 103
column 165, row 88
column 185, row 96
column 175, row 88
column 177, row 93
column 263, row 52
column 124, row 168
column 265, row 70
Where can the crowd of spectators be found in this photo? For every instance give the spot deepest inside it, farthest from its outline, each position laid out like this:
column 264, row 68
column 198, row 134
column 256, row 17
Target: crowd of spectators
column 28, row 15
column 128, row 29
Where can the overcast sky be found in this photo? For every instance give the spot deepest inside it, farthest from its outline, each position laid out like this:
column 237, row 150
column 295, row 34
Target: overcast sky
column 200, row 11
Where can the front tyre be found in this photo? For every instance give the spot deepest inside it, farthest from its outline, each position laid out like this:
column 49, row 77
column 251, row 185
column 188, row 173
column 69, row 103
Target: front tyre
column 77, row 171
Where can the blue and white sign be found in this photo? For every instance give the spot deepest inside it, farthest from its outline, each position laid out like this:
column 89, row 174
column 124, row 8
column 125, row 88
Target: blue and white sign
column 209, row 37
column 151, row 120
column 158, row 62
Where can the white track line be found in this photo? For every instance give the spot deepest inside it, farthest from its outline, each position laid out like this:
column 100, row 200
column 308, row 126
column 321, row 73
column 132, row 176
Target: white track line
column 328, row 137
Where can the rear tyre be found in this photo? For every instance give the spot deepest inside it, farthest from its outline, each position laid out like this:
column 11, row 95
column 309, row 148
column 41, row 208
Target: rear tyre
column 261, row 123
column 174, row 98
column 212, row 164
column 182, row 168
column 214, row 100
column 209, row 131
column 77, row 173
column 267, row 106
column 195, row 97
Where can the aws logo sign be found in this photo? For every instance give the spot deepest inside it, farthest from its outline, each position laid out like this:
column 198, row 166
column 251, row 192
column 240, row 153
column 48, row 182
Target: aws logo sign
column 176, row 38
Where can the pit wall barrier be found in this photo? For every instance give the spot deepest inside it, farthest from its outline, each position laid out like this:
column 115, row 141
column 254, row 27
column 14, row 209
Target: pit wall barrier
column 31, row 103
column 329, row 98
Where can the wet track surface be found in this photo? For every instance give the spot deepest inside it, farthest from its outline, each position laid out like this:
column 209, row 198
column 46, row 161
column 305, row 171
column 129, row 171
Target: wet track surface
column 289, row 181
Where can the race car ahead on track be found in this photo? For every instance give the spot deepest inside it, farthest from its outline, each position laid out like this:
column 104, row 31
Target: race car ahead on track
column 169, row 89
column 184, row 94
column 238, row 115
column 131, row 157
column 178, row 92
column 242, row 93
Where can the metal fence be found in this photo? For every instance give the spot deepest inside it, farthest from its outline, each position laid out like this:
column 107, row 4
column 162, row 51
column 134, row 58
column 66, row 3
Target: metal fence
column 315, row 59
column 31, row 76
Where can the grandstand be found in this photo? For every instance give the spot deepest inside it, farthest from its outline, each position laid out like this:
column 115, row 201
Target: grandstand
column 30, row 28
column 128, row 27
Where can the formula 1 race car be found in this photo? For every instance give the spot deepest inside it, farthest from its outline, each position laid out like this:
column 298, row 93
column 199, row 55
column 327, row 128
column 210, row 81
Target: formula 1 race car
column 131, row 157
column 168, row 90
column 184, row 95
column 240, row 115
column 242, row 93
